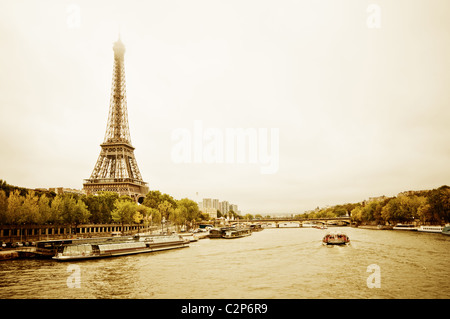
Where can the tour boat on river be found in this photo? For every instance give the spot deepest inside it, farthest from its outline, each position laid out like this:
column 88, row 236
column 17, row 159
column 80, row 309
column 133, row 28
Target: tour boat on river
column 218, row 232
column 229, row 232
column 102, row 249
column 335, row 239
column 236, row 233
column 256, row 227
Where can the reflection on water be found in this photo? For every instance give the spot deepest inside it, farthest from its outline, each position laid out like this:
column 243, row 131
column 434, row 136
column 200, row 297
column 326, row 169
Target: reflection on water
column 274, row 263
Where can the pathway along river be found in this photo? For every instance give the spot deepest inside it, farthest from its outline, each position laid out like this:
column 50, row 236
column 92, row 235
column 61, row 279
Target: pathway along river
column 274, row 263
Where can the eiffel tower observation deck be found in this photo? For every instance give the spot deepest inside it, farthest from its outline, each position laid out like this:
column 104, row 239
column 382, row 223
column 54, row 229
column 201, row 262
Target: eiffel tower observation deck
column 116, row 169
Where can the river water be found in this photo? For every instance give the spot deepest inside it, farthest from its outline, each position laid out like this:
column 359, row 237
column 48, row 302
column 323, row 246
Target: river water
column 275, row 263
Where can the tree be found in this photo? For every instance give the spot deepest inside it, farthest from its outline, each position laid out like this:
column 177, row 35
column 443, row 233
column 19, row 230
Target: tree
column 45, row 211
column 357, row 214
column 15, row 201
column 166, row 209
column 73, row 211
column 372, row 212
column 56, row 208
column 3, row 207
column 138, row 217
column 393, row 211
column 233, row 214
column 124, row 211
column 107, row 202
column 248, row 216
column 189, row 211
column 81, row 213
column 154, row 198
column 125, row 198
column 144, row 214
column 439, row 204
column 93, row 205
column 30, row 209
column 424, row 210
column 155, row 216
column 177, row 216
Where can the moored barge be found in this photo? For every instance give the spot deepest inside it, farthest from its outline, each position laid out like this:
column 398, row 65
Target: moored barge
column 229, row 232
column 103, row 249
column 218, row 232
column 236, row 233
column 256, row 227
column 409, row 227
column 49, row 248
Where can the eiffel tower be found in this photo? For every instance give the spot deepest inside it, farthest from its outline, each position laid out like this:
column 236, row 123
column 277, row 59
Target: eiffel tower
column 116, row 169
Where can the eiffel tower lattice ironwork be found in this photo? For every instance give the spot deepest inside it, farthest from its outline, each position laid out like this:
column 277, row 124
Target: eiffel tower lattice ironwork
column 116, row 169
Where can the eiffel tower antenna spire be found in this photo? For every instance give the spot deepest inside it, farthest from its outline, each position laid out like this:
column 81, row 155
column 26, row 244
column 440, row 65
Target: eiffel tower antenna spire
column 116, row 169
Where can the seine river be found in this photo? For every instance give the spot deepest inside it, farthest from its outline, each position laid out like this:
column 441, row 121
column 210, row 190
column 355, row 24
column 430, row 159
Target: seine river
column 275, row 263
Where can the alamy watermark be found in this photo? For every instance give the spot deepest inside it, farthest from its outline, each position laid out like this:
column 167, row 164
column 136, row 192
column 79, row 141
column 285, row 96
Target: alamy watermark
column 374, row 16
column 73, row 20
column 74, row 279
column 374, row 279
column 230, row 145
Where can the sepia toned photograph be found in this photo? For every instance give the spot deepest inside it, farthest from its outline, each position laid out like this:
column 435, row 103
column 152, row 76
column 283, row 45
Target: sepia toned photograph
column 224, row 155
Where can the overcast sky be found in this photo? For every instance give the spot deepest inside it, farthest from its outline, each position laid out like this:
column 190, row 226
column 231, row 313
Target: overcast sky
column 359, row 94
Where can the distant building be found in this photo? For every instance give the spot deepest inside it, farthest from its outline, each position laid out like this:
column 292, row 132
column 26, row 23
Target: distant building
column 207, row 203
column 224, row 207
column 212, row 212
column 63, row 190
column 410, row 193
column 215, row 204
column 211, row 206
column 376, row 199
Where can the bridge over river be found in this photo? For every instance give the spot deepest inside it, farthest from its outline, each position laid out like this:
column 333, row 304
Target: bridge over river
column 284, row 221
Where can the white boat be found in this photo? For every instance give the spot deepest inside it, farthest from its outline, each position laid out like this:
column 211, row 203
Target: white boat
column 102, row 249
column 288, row 225
column 431, row 229
column 446, row 230
column 236, row 233
column 409, row 227
column 190, row 236
column 308, row 224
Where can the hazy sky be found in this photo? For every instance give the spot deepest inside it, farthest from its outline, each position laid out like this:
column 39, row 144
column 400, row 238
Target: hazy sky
column 361, row 111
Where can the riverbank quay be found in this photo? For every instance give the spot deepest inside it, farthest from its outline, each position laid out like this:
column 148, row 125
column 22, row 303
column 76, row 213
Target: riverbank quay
column 33, row 233
column 30, row 252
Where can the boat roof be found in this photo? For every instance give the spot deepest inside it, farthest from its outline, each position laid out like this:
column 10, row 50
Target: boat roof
column 336, row 233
